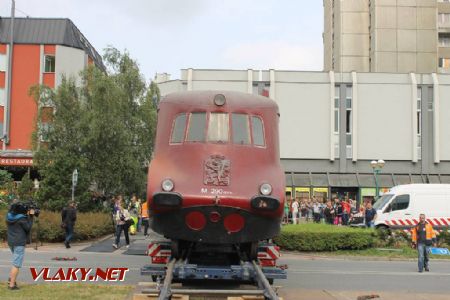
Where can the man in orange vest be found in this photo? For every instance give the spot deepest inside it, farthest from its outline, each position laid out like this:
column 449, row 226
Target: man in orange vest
column 423, row 236
column 145, row 217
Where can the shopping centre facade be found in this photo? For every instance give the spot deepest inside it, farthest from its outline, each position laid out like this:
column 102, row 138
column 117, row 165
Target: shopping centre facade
column 333, row 125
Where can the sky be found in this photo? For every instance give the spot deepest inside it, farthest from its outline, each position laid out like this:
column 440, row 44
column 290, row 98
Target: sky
column 169, row 35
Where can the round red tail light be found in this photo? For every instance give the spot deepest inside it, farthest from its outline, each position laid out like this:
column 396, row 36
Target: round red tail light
column 214, row 217
column 234, row 223
column 195, row 220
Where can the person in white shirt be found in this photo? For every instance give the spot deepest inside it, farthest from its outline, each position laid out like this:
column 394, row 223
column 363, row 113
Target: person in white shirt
column 295, row 206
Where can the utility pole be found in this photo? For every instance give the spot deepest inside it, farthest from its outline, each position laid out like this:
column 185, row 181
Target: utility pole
column 8, row 99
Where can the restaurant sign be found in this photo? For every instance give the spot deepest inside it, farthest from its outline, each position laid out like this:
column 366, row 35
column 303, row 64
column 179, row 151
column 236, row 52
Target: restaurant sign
column 13, row 161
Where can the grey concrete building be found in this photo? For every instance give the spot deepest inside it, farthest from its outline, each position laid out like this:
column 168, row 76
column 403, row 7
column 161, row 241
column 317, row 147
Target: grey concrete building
column 333, row 125
column 387, row 36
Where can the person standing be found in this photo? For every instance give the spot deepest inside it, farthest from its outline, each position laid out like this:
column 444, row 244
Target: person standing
column 345, row 211
column 122, row 217
column 329, row 213
column 19, row 226
column 286, row 212
column 370, row 215
column 68, row 218
column 338, row 212
column 295, row 207
column 316, row 211
column 145, row 217
column 423, row 236
column 133, row 209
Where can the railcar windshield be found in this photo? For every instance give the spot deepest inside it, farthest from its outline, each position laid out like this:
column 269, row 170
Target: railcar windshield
column 216, row 127
column 197, row 125
column 258, row 131
column 178, row 129
column 241, row 129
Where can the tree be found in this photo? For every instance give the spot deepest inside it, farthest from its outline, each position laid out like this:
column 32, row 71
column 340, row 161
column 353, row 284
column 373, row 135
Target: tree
column 25, row 190
column 105, row 129
column 6, row 188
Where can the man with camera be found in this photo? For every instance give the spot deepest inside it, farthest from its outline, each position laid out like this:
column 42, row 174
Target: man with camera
column 19, row 221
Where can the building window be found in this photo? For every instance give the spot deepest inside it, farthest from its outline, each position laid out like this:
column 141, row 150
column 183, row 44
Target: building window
column 2, row 97
column 44, row 131
column 337, row 95
column 444, row 20
column 348, row 121
column 49, row 66
column 419, row 123
column 444, row 63
column 430, row 99
column 444, row 41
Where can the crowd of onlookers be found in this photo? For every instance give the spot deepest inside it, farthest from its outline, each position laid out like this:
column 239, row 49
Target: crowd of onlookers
column 334, row 212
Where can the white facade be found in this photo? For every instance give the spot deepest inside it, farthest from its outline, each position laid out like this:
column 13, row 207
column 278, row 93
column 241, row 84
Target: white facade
column 69, row 62
column 385, row 118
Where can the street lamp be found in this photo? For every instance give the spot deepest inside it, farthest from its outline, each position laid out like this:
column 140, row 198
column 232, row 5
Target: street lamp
column 74, row 182
column 377, row 166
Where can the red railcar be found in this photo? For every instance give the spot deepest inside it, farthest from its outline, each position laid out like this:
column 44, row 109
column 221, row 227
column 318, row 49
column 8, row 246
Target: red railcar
column 215, row 177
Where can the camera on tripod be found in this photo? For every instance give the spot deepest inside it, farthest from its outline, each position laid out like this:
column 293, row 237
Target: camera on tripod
column 25, row 208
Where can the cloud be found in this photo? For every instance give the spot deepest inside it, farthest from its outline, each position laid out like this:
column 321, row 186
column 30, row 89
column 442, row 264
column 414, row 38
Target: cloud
column 274, row 55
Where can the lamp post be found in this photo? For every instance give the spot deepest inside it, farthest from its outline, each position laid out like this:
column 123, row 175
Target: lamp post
column 74, row 182
column 377, row 166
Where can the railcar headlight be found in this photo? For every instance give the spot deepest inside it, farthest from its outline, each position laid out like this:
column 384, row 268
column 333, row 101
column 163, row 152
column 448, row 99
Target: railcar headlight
column 167, row 185
column 219, row 100
column 265, row 189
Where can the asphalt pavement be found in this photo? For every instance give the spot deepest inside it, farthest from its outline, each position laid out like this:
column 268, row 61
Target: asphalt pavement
column 309, row 277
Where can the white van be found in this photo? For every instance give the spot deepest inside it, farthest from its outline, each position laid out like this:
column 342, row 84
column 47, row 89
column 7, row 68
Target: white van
column 401, row 206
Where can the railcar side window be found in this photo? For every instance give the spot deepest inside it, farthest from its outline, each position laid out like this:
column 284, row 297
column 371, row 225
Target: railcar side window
column 197, row 124
column 241, row 130
column 178, row 129
column 258, row 131
column 218, row 127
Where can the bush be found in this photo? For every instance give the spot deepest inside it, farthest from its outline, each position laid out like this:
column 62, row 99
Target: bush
column 321, row 237
column 48, row 226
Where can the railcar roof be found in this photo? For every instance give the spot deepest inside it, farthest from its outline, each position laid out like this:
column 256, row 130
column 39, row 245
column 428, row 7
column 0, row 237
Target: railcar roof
column 206, row 98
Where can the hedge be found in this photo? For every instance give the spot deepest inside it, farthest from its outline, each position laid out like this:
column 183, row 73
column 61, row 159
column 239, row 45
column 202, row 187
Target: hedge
column 88, row 226
column 321, row 237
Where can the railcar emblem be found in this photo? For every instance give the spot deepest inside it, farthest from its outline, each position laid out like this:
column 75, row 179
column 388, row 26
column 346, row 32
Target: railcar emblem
column 217, row 171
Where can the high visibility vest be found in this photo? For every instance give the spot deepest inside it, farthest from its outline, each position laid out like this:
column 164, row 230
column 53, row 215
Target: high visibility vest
column 144, row 212
column 430, row 235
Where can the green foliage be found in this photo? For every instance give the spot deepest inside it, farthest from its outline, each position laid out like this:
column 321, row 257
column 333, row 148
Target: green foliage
column 6, row 188
column 88, row 226
column 26, row 187
column 321, row 237
column 444, row 238
column 104, row 128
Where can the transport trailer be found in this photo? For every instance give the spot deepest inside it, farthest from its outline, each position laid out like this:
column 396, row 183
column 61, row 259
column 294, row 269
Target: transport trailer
column 193, row 268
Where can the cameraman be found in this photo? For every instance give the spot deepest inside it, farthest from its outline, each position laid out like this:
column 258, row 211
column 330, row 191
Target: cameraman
column 19, row 221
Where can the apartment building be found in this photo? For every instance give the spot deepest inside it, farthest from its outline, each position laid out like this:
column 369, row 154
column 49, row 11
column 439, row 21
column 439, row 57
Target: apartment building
column 42, row 51
column 394, row 36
